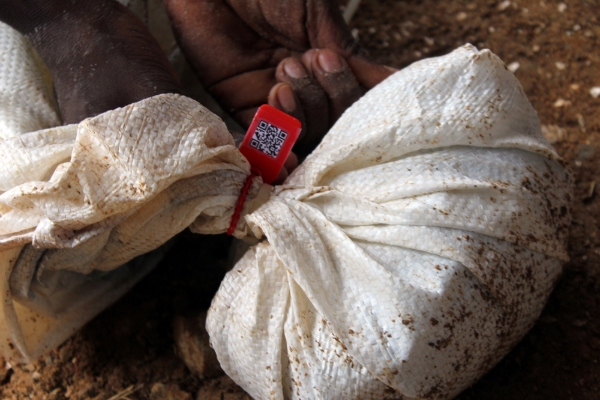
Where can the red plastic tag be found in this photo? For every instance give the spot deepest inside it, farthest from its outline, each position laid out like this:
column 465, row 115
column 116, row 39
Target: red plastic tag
column 269, row 140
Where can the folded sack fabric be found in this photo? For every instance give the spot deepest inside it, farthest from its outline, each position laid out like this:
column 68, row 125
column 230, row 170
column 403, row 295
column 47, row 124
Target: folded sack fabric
column 78, row 202
column 409, row 252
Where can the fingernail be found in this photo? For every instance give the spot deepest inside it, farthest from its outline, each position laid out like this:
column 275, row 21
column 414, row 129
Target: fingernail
column 285, row 96
column 329, row 61
column 294, row 69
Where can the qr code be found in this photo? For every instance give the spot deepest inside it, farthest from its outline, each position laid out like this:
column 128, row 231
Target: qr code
column 268, row 138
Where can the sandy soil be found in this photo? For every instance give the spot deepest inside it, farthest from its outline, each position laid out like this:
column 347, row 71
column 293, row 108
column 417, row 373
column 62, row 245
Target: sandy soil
column 554, row 50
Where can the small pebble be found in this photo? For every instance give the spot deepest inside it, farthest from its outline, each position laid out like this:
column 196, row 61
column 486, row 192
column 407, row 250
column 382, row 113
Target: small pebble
column 513, row 66
column 560, row 66
column 574, row 87
column 428, row 41
column 28, row 367
column 491, row 29
column 553, row 133
column 576, row 27
column 461, row 16
column 595, row 92
column 561, row 103
column 581, row 122
column 504, row 5
column 535, row 48
column 590, row 191
column 580, row 322
column 372, row 30
column 562, row 7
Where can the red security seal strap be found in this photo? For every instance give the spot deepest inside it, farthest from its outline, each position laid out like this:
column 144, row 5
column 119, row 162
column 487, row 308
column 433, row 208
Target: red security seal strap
column 266, row 146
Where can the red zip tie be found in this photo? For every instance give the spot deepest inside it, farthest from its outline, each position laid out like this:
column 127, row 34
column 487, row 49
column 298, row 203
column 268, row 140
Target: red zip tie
column 240, row 204
column 269, row 140
column 266, row 146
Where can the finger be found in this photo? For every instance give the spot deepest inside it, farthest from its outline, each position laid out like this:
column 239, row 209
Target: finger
column 244, row 117
column 307, row 59
column 245, row 90
column 367, row 72
column 283, row 174
column 291, row 163
column 336, row 78
column 327, row 29
column 217, row 43
column 312, row 99
column 282, row 97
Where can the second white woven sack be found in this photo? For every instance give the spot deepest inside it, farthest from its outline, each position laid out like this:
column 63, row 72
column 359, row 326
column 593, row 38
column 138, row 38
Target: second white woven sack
column 409, row 252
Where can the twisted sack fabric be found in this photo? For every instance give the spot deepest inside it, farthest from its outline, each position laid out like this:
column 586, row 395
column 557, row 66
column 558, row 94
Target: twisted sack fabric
column 78, row 202
column 403, row 258
column 409, row 252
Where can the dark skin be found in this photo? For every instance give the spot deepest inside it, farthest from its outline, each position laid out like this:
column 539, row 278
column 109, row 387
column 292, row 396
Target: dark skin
column 245, row 51
column 102, row 57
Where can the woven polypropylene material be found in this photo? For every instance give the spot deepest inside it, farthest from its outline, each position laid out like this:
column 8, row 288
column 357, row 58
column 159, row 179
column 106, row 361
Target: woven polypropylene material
column 402, row 259
column 78, row 202
column 409, row 252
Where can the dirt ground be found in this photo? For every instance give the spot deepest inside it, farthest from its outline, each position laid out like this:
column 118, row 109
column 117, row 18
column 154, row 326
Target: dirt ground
column 128, row 352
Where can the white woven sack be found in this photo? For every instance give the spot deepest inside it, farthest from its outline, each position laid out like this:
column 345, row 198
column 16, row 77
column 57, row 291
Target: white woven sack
column 78, row 202
column 409, row 252
column 405, row 256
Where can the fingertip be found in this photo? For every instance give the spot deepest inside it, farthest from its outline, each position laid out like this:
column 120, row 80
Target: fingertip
column 293, row 68
column 283, row 174
column 282, row 97
column 329, row 61
column 312, row 108
column 308, row 58
column 337, row 80
column 369, row 73
column 291, row 163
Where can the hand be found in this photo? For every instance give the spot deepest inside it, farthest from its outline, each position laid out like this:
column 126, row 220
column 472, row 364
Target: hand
column 100, row 55
column 316, row 88
column 240, row 50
